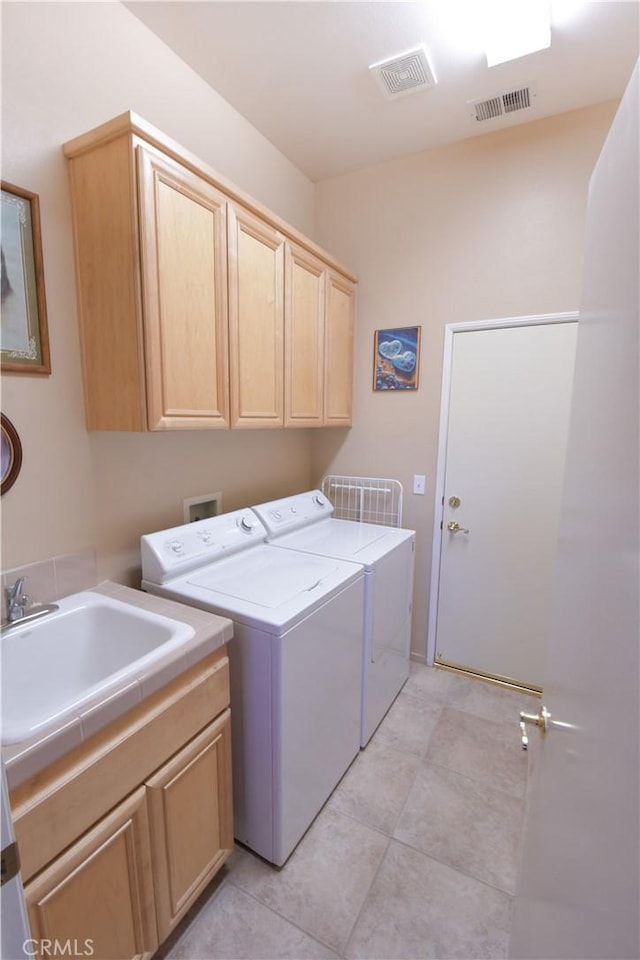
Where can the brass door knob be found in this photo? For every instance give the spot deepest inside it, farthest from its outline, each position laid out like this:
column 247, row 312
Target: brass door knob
column 454, row 527
column 541, row 720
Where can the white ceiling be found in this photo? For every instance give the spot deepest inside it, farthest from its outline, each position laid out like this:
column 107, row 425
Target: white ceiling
column 298, row 70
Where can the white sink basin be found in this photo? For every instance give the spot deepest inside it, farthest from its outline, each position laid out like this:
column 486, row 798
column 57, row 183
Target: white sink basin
column 92, row 645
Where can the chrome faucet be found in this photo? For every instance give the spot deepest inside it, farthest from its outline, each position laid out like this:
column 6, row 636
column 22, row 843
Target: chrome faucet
column 15, row 601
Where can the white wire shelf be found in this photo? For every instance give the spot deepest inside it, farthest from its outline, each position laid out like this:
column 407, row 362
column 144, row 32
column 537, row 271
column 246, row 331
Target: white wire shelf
column 365, row 499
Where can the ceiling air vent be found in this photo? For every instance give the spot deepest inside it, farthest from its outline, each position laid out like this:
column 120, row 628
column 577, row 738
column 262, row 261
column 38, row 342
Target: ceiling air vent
column 406, row 73
column 502, row 104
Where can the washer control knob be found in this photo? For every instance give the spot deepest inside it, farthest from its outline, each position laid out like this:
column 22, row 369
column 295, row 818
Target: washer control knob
column 205, row 535
column 176, row 546
column 294, row 509
column 247, row 524
column 276, row 515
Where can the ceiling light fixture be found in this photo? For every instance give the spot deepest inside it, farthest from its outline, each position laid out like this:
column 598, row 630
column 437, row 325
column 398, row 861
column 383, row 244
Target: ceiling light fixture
column 513, row 28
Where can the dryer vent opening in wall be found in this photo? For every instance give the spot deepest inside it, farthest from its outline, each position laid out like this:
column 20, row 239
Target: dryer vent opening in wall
column 502, row 104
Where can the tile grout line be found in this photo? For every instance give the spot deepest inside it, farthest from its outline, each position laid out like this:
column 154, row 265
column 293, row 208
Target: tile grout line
column 292, row 923
column 465, row 776
column 472, row 781
column 345, row 947
column 383, row 858
column 443, row 863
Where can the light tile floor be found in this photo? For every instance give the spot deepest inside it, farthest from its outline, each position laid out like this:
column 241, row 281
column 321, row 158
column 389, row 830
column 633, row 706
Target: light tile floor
column 413, row 856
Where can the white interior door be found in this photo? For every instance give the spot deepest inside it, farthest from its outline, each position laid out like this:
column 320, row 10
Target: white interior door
column 508, row 416
column 579, row 889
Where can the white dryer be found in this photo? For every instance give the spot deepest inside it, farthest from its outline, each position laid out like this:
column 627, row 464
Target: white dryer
column 304, row 523
column 295, row 661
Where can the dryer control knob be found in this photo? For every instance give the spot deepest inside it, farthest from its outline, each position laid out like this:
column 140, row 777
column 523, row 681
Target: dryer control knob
column 319, row 502
column 247, row 524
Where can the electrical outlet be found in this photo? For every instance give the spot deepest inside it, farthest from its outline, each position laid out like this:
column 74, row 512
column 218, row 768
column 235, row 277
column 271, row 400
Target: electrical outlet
column 419, row 483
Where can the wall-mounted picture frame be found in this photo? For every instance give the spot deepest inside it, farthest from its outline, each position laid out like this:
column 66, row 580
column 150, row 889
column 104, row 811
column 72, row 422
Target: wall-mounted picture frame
column 396, row 358
column 24, row 341
column 10, row 454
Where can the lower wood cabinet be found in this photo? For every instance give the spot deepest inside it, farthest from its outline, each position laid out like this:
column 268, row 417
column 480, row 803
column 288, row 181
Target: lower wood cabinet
column 98, row 895
column 114, row 891
column 191, row 821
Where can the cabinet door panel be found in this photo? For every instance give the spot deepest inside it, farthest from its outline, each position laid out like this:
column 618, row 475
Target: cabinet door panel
column 191, row 821
column 183, row 233
column 338, row 382
column 304, row 338
column 99, row 894
column 256, row 321
column 103, row 192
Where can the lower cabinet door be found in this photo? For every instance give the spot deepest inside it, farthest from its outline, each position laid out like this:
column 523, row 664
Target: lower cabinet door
column 191, row 819
column 96, row 899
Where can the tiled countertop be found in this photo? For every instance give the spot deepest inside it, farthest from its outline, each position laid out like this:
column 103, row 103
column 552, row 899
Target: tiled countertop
column 24, row 760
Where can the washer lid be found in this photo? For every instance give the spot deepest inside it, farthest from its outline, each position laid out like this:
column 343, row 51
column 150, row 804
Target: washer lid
column 361, row 543
column 264, row 587
column 268, row 578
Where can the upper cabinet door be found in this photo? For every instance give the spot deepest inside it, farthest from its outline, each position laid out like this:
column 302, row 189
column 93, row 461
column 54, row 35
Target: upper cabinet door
column 339, row 329
column 256, row 321
column 304, row 338
column 184, row 289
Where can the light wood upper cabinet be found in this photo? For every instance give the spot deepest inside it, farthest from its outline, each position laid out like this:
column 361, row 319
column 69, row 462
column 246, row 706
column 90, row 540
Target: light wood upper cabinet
column 184, row 292
column 338, row 347
column 256, row 321
column 99, row 893
column 152, row 286
column 304, row 339
column 182, row 286
column 319, row 325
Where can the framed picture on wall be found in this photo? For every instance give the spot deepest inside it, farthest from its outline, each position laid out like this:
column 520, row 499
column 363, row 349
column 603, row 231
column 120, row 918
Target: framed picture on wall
column 10, row 454
column 25, row 337
column 396, row 358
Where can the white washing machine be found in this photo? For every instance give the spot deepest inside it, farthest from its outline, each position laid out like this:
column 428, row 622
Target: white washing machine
column 295, row 661
column 304, row 523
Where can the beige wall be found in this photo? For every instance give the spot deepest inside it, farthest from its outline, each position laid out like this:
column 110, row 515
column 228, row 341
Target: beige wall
column 486, row 228
column 490, row 227
column 67, row 67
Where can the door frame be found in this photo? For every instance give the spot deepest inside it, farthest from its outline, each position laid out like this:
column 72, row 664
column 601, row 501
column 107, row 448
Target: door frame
column 451, row 329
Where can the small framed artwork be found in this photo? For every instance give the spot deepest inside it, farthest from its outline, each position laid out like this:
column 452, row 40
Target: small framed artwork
column 10, row 454
column 396, row 358
column 25, row 337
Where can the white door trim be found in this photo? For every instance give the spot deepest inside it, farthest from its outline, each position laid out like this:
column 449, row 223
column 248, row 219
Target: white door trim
column 450, row 331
